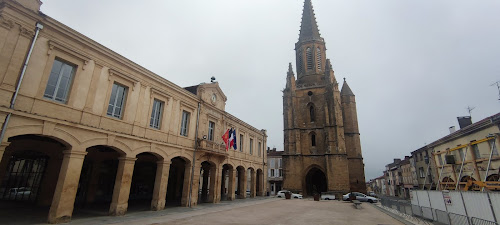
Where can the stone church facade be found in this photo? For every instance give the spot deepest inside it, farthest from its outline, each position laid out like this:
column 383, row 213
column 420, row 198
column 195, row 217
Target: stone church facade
column 321, row 135
column 84, row 128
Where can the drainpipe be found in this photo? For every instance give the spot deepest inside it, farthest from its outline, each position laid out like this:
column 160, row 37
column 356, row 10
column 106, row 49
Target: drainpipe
column 39, row 26
column 264, row 192
column 194, row 153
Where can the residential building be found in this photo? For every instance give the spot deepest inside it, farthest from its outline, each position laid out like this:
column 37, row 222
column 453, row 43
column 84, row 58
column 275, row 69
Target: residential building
column 470, row 153
column 84, row 126
column 322, row 140
column 424, row 168
column 275, row 171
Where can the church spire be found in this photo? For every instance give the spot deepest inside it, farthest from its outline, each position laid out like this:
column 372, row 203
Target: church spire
column 346, row 90
column 308, row 27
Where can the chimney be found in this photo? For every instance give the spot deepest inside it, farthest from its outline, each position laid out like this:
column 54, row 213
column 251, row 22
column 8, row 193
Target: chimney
column 452, row 129
column 464, row 121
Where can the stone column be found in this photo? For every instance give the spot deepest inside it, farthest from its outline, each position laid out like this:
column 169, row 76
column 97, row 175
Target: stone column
column 232, row 184
column 253, row 184
column 215, row 179
column 161, row 183
column 186, row 185
column 242, row 184
column 63, row 201
column 121, row 191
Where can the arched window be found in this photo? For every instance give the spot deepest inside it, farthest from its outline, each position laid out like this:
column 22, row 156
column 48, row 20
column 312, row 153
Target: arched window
column 309, row 58
column 318, row 58
column 313, row 139
column 311, row 113
column 300, row 62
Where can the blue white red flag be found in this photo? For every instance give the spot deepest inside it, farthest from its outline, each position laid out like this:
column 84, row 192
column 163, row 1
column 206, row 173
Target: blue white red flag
column 234, row 138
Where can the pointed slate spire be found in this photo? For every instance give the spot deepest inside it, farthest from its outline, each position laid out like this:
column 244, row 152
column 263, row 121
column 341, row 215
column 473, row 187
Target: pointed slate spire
column 346, row 90
column 308, row 27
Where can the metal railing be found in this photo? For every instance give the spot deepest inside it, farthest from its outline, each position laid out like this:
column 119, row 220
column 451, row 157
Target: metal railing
column 427, row 215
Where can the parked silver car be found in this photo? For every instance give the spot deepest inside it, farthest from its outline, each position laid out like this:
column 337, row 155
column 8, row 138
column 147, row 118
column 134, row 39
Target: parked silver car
column 360, row 197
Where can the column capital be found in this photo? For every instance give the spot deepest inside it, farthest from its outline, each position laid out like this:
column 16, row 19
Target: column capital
column 74, row 154
column 127, row 159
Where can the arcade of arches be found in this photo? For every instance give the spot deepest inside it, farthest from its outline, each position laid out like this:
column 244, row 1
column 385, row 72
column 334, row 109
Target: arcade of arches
column 48, row 172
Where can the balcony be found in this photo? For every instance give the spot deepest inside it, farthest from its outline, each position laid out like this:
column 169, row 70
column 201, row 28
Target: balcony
column 212, row 147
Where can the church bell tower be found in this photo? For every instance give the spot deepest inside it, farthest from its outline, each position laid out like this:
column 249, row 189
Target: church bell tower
column 318, row 154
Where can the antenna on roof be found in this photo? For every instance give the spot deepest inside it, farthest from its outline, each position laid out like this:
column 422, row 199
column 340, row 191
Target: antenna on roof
column 498, row 87
column 469, row 109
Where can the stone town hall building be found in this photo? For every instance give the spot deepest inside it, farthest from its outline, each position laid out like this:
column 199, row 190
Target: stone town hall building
column 86, row 130
column 322, row 144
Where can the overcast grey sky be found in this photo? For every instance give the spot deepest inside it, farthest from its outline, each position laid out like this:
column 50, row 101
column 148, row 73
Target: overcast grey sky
column 414, row 66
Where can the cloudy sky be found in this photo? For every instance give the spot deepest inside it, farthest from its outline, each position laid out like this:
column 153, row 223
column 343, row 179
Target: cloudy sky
column 413, row 65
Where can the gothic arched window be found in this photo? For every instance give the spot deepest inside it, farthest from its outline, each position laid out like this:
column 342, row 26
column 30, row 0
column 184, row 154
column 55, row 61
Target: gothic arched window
column 311, row 113
column 318, row 58
column 313, row 139
column 300, row 62
column 309, row 58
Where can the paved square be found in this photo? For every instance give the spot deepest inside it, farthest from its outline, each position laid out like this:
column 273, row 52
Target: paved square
column 272, row 211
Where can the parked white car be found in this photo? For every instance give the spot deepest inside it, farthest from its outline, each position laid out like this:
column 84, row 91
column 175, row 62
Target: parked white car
column 327, row 197
column 19, row 193
column 360, row 197
column 281, row 194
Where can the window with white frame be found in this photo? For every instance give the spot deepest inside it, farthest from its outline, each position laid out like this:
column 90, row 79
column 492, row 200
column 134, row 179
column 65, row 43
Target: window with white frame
column 271, row 163
column 117, row 101
column 272, row 172
column 59, row 81
column 156, row 113
column 211, row 128
column 185, row 123
column 421, row 172
column 280, row 172
column 279, row 163
column 276, row 172
column 251, row 146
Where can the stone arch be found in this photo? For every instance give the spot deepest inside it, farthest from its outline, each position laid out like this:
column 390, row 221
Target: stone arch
column 227, row 181
column 467, row 178
column 315, row 181
column 208, row 180
column 493, row 177
column 65, row 137
column 147, row 149
column 115, row 145
column 448, row 179
column 33, row 162
column 251, row 181
column 179, row 180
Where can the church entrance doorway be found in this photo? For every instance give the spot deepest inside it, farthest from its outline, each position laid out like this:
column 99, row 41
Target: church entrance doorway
column 315, row 182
